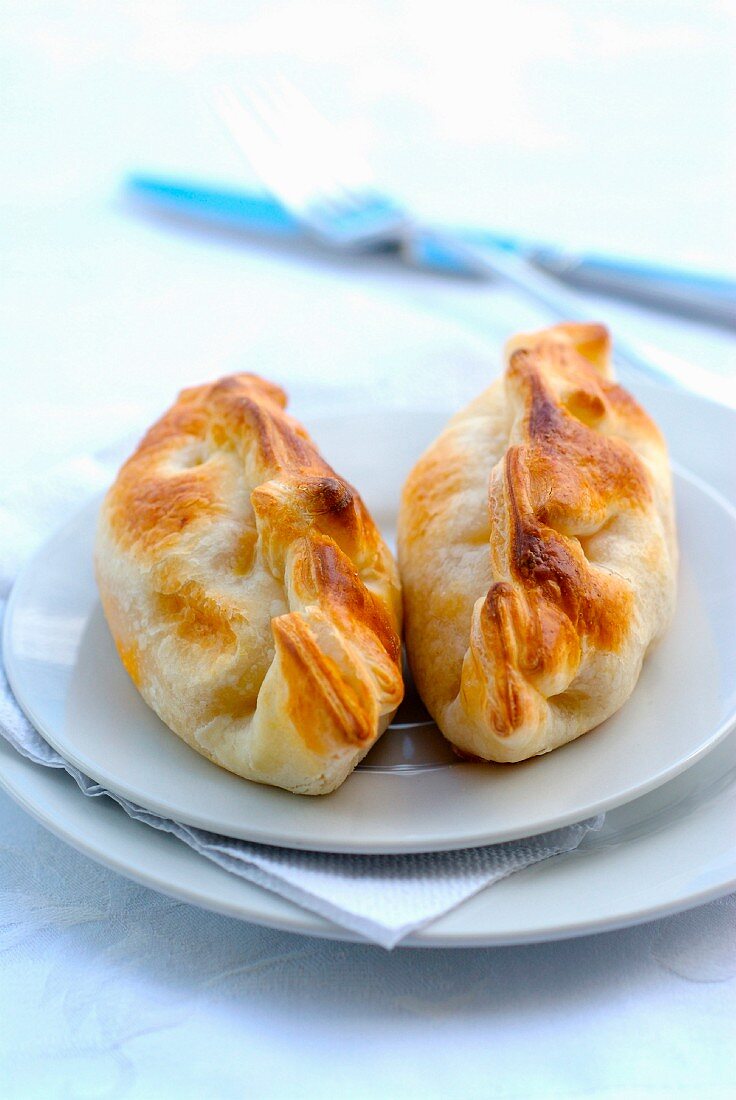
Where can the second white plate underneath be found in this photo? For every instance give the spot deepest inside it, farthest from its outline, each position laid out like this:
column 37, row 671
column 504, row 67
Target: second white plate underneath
column 408, row 795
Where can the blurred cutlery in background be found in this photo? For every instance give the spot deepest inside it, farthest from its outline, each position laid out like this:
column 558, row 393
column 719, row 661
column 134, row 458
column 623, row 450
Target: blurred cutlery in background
column 688, row 293
column 323, row 189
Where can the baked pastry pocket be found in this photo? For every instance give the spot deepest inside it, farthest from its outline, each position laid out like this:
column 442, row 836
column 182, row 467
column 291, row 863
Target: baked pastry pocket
column 251, row 596
column 537, row 551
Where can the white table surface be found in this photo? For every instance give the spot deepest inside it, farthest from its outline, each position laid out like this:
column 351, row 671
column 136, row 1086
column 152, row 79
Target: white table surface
column 602, row 126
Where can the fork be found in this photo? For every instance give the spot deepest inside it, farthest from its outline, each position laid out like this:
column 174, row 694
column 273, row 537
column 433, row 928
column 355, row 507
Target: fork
column 320, row 177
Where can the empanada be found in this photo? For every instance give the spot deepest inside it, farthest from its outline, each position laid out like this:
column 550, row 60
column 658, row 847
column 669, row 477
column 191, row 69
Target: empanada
column 250, row 595
column 537, row 551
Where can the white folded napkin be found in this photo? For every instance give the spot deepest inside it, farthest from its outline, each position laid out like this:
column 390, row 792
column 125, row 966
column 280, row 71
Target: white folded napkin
column 383, row 898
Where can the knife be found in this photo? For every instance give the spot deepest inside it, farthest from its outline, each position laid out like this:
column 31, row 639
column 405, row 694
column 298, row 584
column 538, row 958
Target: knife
column 689, row 293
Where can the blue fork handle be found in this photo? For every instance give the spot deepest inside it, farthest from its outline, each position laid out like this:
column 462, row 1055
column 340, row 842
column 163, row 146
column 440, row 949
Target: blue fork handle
column 684, row 291
column 691, row 293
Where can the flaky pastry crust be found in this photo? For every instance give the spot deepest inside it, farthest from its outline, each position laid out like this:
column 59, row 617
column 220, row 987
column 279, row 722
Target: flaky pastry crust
column 250, row 595
column 537, row 551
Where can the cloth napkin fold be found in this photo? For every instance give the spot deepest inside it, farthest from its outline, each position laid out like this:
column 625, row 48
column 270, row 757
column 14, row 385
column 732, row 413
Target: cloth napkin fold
column 383, row 898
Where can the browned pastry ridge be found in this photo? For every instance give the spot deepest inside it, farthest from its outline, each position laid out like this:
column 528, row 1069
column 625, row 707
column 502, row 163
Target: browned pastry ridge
column 250, row 595
column 537, row 551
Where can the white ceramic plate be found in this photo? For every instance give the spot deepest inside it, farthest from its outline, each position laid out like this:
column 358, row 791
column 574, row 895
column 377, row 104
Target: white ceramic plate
column 670, row 850
column 408, row 796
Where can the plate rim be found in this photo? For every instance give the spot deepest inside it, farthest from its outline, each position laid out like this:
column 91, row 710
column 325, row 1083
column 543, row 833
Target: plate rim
column 268, row 836
column 299, row 921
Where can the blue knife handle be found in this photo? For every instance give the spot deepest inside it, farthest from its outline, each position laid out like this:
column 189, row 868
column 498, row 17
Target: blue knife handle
column 261, row 213
column 239, row 209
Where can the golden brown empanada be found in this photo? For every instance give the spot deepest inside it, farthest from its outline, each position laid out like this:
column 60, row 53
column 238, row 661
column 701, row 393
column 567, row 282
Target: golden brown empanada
column 252, row 599
column 537, row 551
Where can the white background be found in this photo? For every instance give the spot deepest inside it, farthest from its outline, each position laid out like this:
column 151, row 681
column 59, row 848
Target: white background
column 604, row 126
